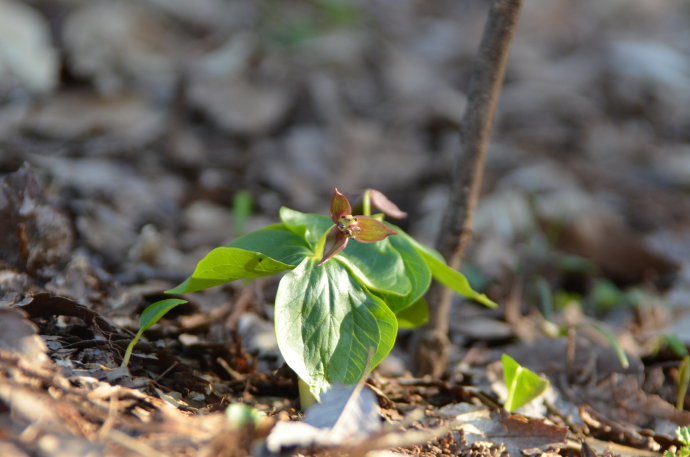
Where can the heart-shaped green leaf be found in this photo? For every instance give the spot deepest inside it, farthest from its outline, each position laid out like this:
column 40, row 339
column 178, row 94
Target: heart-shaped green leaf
column 523, row 385
column 225, row 264
column 326, row 321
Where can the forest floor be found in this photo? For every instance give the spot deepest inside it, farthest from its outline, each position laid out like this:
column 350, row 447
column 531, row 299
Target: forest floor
column 128, row 128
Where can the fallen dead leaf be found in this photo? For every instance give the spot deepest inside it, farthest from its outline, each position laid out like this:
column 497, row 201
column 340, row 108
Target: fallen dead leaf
column 33, row 234
column 18, row 335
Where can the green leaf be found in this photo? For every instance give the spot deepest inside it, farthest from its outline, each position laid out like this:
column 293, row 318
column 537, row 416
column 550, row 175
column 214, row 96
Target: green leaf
column 523, row 385
column 241, row 209
column 444, row 274
column 155, row 312
column 276, row 242
column 676, row 345
column 414, row 315
column 311, row 227
column 416, row 271
column 683, row 434
column 326, row 321
column 683, row 382
column 618, row 349
column 378, row 266
column 455, row 280
column 225, row 264
column 152, row 314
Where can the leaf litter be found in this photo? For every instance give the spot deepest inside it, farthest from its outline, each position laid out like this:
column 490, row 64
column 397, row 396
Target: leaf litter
column 119, row 138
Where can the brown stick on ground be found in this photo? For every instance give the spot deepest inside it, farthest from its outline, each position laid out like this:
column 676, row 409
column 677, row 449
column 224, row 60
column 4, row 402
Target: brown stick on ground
column 431, row 345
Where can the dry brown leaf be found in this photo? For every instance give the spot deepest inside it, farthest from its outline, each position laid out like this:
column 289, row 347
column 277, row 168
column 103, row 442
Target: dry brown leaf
column 18, row 335
column 516, row 433
column 621, row 254
column 33, row 234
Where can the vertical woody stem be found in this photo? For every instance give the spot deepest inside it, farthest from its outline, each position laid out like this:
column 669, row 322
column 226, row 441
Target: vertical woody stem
column 431, row 347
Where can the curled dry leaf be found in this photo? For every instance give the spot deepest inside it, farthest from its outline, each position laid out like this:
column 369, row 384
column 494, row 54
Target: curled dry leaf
column 387, row 207
column 345, row 415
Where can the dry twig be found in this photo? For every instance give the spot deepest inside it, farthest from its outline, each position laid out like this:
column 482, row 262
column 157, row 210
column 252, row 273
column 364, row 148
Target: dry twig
column 431, row 346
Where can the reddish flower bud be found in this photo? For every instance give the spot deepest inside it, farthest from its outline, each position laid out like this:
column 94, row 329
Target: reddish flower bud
column 361, row 228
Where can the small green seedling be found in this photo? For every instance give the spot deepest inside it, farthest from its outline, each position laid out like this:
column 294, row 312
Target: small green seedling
column 678, row 348
column 152, row 314
column 613, row 341
column 240, row 415
column 683, row 381
column 676, row 345
column 683, row 434
column 241, row 209
column 523, row 385
column 351, row 282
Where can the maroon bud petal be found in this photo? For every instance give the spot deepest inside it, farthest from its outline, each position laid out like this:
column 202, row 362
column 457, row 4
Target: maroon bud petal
column 371, row 230
column 335, row 242
column 340, row 206
column 384, row 205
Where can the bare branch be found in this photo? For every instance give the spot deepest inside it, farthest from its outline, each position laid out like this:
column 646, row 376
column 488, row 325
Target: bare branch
column 456, row 230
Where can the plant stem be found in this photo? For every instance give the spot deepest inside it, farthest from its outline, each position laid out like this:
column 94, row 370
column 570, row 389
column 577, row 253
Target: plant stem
column 366, row 203
column 306, row 398
column 318, row 252
column 431, row 344
column 130, row 348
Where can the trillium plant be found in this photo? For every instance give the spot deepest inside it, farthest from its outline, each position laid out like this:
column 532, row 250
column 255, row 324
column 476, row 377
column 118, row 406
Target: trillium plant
column 351, row 282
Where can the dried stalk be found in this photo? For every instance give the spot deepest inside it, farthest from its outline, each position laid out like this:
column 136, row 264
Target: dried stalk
column 431, row 345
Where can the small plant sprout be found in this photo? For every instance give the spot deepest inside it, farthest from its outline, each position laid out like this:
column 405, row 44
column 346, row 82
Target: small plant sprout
column 523, row 385
column 683, row 434
column 338, row 300
column 683, row 381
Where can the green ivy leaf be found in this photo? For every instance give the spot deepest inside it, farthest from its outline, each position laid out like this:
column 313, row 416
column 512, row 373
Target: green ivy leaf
column 276, row 242
column 414, row 315
column 326, row 321
column 152, row 314
column 225, row 264
column 523, row 385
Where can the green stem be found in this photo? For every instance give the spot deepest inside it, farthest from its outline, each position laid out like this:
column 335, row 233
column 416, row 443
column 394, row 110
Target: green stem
column 366, row 203
column 306, row 398
column 318, row 251
column 130, row 348
column 683, row 381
